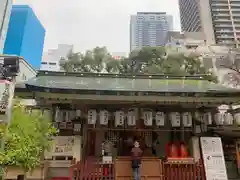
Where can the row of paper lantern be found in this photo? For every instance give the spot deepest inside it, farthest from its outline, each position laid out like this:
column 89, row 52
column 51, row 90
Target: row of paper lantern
column 227, row 118
column 219, row 118
column 149, row 116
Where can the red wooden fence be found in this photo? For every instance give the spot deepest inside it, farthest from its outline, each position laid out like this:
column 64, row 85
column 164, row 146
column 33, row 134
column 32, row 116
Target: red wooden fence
column 184, row 171
column 93, row 169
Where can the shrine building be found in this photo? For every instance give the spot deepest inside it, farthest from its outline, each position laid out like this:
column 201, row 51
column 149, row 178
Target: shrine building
column 176, row 119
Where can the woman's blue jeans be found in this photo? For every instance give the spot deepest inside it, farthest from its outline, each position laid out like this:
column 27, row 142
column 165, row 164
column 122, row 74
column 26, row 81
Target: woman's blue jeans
column 136, row 173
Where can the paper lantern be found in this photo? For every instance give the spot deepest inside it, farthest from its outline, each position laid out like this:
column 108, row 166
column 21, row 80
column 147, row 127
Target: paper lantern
column 148, row 118
column 237, row 118
column 72, row 114
column 199, row 116
column 92, row 116
column 208, row 118
column 119, row 118
column 219, row 118
column 160, row 118
column 175, row 118
column 68, row 116
column 228, row 119
column 57, row 115
column 131, row 117
column 103, row 117
column 187, row 119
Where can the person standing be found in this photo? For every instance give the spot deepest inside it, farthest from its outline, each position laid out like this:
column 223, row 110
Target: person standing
column 136, row 154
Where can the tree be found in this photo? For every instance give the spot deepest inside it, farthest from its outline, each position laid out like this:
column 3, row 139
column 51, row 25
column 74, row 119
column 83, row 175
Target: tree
column 148, row 60
column 231, row 64
column 28, row 136
column 91, row 61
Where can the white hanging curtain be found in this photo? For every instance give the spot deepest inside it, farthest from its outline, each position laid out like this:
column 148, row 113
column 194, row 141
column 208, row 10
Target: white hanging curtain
column 131, row 117
column 92, row 116
column 148, row 117
column 160, row 118
column 187, row 119
column 119, row 118
column 104, row 117
column 175, row 118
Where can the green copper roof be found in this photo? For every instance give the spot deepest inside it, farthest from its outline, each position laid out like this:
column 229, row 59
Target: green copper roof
column 145, row 83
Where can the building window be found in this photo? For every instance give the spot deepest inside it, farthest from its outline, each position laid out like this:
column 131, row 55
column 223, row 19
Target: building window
column 52, row 63
column 152, row 17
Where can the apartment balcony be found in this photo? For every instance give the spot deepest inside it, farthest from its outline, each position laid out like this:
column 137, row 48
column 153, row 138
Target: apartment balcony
column 222, row 20
column 220, row 14
column 235, row 6
column 223, row 25
column 220, row 10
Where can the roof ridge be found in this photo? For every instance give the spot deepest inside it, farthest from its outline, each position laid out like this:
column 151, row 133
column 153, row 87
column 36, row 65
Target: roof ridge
column 133, row 76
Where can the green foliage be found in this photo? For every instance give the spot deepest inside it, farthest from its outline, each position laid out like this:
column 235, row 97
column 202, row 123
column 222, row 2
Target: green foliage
column 28, row 136
column 91, row 61
column 148, row 60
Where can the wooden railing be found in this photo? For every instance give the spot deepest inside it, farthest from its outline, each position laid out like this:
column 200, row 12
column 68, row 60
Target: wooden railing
column 180, row 171
column 93, row 169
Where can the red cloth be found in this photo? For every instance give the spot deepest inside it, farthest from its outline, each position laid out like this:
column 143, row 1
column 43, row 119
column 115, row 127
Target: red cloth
column 183, row 150
column 172, row 150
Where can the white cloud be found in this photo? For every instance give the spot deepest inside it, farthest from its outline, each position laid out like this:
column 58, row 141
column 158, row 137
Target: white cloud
column 90, row 23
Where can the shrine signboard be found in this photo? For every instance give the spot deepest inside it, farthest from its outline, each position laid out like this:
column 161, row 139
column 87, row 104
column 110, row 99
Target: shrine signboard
column 63, row 146
column 213, row 157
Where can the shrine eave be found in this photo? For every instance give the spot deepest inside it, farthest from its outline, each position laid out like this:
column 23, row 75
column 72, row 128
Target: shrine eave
column 113, row 84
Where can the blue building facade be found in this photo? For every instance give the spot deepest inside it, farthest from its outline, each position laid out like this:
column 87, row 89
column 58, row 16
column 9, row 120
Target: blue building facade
column 25, row 36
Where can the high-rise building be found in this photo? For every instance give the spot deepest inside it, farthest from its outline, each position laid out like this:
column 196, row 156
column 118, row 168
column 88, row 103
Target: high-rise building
column 189, row 40
column 218, row 19
column 25, row 36
column 51, row 59
column 149, row 29
column 5, row 10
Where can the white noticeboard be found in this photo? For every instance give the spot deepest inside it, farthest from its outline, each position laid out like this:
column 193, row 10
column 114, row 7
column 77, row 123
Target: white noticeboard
column 213, row 158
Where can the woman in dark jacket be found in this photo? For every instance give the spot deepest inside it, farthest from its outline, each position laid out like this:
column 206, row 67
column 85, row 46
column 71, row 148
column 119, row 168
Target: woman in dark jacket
column 136, row 154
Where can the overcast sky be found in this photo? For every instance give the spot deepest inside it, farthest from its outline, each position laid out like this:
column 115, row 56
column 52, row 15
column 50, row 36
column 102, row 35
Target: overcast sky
column 90, row 23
